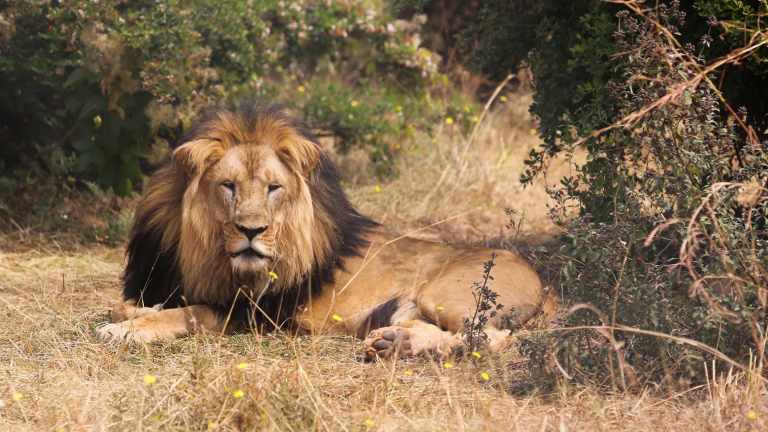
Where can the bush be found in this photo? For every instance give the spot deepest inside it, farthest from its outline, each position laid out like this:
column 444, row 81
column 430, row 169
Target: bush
column 669, row 232
column 100, row 87
column 672, row 211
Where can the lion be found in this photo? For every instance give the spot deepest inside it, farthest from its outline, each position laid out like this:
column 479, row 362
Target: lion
column 247, row 226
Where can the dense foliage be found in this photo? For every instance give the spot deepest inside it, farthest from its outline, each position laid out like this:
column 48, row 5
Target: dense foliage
column 95, row 90
column 672, row 206
column 666, row 221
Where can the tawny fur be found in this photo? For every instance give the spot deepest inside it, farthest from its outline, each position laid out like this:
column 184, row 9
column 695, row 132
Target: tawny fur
column 337, row 270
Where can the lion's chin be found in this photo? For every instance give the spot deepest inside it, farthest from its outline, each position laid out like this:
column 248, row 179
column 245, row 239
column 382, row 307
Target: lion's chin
column 249, row 265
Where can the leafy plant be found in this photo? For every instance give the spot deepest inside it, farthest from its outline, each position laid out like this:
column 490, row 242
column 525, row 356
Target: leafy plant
column 486, row 308
column 107, row 84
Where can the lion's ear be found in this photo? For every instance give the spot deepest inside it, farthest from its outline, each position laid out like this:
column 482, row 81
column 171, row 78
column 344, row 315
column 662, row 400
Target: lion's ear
column 195, row 156
column 301, row 153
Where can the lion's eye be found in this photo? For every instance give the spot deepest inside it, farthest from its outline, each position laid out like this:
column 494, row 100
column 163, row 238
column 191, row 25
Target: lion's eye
column 273, row 187
column 228, row 185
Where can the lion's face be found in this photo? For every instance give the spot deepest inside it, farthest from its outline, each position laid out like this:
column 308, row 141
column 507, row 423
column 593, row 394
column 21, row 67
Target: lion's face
column 247, row 207
column 249, row 190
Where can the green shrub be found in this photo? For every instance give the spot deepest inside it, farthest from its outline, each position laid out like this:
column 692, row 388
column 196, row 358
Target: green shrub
column 100, row 84
column 677, row 250
column 666, row 221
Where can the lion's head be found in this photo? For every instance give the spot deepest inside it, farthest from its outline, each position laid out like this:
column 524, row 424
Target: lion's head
column 249, row 201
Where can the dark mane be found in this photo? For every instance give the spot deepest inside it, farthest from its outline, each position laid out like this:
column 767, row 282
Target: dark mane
column 152, row 274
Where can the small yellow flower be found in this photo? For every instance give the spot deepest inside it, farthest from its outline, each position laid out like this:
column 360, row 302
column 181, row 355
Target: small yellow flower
column 448, row 365
column 440, row 308
column 238, row 394
column 301, row 89
column 337, row 318
column 243, row 365
column 17, row 396
column 377, row 188
column 398, row 109
column 408, row 372
column 474, row 119
column 449, row 121
column 751, row 415
column 150, row 379
column 485, row 376
column 476, row 354
column 212, row 425
column 97, row 121
column 354, row 103
column 503, row 99
column 272, row 276
column 369, row 423
column 466, row 108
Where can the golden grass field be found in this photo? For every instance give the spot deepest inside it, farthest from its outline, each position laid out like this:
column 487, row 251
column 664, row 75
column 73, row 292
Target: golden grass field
column 55, row 375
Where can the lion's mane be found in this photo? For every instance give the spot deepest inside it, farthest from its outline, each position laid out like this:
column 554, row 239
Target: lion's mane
column 175, row 254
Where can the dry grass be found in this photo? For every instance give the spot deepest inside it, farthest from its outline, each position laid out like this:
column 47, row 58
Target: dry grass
column 57, row 376
column 450, row 176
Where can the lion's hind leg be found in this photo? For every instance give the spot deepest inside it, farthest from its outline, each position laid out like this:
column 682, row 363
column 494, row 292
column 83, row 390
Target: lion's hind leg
column 409, row 338
column 418, row 337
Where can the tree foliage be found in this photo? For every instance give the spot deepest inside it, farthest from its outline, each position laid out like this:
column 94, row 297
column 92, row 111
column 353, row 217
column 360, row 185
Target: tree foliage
column 99, row 88
column 666, row 220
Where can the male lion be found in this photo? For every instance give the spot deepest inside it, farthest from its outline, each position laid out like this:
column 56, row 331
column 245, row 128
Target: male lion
column 247, row 225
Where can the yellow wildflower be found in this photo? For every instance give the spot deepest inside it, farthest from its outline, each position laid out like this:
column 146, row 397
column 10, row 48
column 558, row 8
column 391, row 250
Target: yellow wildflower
column 272, row 276
column 97, row 121
column 408, row 372
column 449, row 121
column 448, row 365
column 354, row 103
column 337, row 318
column 243, row 365
column 150, row 379
column 377, row 188
column 485, row 376
column 503, row 99
column 398, row 109
column 17, row 397
column 237, row 394
column 466, row 108
column 476, row 354
column 369, row 423
column 474, row 119
column 301, row 89
column 751, row 415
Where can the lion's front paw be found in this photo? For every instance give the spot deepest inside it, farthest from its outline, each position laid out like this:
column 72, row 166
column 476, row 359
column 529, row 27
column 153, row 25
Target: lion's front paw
column 129, row 331
column 124, row 311
column 387, row 342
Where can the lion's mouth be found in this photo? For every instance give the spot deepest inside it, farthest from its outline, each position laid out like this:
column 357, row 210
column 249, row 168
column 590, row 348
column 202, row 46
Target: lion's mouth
column 250, row 253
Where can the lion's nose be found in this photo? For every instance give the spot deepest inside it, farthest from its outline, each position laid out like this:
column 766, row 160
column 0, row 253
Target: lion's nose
column 251, row 232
